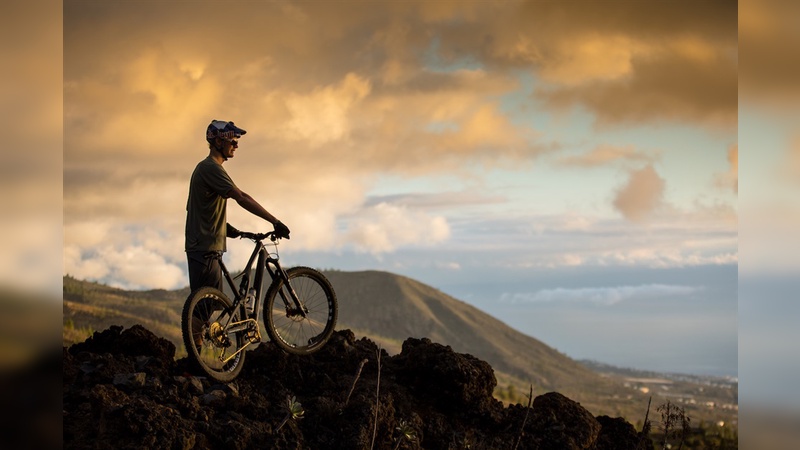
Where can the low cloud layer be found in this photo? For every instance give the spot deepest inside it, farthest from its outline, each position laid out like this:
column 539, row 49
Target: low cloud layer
column 607, row 296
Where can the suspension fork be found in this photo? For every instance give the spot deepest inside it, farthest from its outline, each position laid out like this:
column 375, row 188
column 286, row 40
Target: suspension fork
column 279, row 272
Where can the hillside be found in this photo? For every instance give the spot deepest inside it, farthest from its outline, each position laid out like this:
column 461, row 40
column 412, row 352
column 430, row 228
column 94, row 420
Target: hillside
column 385, row 307
column 92, row 307
column 388, row 309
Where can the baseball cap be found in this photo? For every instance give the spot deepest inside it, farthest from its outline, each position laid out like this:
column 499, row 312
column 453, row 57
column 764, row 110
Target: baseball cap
column 223, row 129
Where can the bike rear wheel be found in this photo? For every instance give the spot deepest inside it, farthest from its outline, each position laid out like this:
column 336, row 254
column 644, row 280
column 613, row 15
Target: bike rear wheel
column 208, row 336
column 301, row 332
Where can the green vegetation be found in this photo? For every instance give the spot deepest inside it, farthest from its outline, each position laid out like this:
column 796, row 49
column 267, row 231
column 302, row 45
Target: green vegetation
column 91, row 306
column 407, row 433
column 525, row 420
column 295, row 411
column 72, row 334
column 674, row 431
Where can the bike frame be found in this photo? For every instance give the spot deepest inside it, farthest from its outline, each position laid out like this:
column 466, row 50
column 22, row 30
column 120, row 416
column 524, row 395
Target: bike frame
column 264, row 261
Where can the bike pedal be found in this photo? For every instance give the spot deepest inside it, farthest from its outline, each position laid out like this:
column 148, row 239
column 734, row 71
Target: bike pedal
column 253, row 337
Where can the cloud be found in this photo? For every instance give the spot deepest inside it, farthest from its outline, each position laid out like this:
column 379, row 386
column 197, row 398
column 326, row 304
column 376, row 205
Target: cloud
column 585, row 59
column 603, row 155
column 607, row 296
column 677, row 239
column 672, row 87
column 322, row 115
column 84, row 268
column 125, row 254
column 130, row 267
column 386, row 227
column 641, row 195
column 438, row 200
column 625, row 63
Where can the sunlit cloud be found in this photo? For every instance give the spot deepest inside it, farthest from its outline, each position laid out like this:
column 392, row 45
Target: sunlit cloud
column 604, row 155
column 641, row 195
column 590, row 58
column 629, row 66
column 125, row 254
column 385, row 227
column 129, row 267
column 439, row 200
column 673, row 88
column 336, row 98
column 322, row 115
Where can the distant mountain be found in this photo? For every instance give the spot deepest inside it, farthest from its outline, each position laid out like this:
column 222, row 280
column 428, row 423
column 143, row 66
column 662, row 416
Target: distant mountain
column 390, row 308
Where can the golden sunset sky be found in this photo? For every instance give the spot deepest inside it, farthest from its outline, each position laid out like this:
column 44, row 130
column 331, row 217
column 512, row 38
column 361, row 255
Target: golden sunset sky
column 378, row 126
column 569, row 167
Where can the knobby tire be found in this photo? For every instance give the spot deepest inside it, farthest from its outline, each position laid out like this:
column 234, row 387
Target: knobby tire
column 207, row 310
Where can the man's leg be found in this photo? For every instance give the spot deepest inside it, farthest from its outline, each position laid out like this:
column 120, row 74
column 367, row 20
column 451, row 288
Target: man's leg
column 204, row 270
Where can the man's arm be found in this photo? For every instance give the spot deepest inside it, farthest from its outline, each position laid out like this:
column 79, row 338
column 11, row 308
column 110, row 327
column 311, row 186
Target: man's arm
column 251, row 205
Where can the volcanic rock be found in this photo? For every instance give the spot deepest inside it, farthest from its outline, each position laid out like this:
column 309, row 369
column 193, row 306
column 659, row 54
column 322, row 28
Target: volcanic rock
column 123, row 389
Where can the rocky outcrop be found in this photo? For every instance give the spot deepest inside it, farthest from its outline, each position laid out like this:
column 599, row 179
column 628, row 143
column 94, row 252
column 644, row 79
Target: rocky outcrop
column 123, row 389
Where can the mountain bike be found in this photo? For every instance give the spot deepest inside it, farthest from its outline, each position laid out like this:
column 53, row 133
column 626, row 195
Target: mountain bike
column 300, row 312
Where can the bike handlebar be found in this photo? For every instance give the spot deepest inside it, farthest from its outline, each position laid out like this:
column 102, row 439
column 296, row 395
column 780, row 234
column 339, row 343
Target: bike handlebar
column 259, row 236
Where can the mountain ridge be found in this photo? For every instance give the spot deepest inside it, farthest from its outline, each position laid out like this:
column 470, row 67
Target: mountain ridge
column 442, row 318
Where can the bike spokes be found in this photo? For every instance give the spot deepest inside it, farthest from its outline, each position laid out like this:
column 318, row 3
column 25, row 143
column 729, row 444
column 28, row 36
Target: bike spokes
column 210, row 334
column 300, row 323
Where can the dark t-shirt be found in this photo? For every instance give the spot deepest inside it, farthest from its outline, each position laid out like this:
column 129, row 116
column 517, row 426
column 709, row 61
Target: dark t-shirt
column 205, row 209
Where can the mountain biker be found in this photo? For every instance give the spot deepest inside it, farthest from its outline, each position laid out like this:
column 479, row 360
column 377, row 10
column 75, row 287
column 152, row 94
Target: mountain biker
column 209, row 189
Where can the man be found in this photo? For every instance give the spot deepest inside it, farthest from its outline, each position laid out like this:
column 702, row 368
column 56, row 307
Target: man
column 209, row 190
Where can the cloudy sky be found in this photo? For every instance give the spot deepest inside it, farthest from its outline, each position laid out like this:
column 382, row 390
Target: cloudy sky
column 568, row 167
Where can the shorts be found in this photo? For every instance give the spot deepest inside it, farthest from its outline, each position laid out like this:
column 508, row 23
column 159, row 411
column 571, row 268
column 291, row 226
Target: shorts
column 204, row 269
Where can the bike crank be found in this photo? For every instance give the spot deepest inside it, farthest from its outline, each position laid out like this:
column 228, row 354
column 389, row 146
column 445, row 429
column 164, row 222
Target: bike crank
column 252, row 334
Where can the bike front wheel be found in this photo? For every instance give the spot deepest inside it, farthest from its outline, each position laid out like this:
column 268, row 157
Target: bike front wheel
column 300, row 327
column 213, row 334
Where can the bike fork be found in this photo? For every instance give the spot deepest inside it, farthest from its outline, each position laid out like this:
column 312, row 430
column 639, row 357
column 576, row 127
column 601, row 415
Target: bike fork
column 293, row 299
